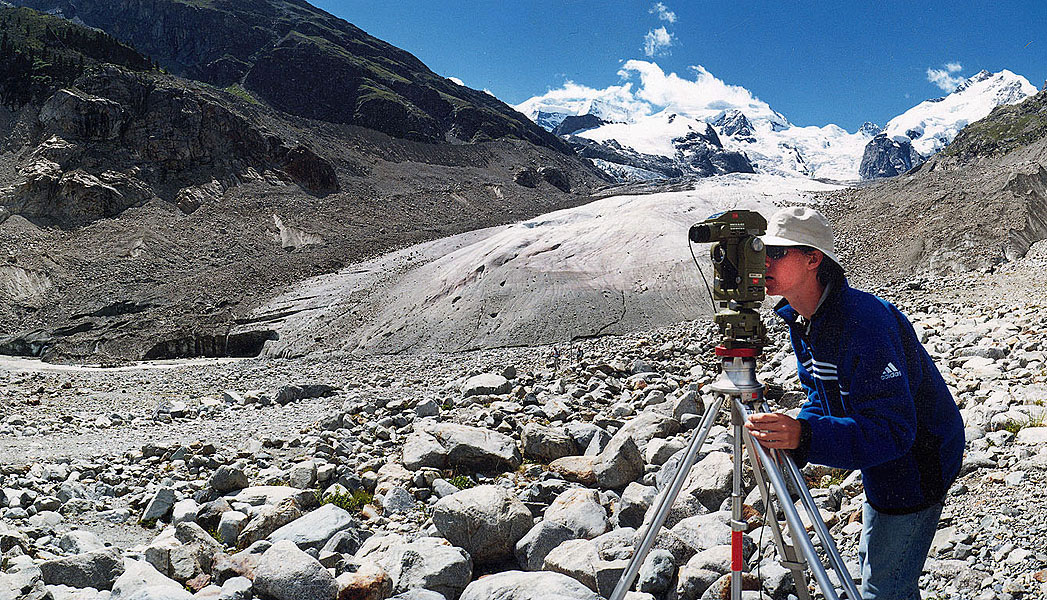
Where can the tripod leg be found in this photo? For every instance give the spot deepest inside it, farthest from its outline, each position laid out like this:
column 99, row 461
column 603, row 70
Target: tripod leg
column 787, row 552
column 738, row 525
column 827, row 542
column 822, row 531
column 665, row 502
column 792, row 519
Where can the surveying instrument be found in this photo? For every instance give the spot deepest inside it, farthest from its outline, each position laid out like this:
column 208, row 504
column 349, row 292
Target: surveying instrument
column 738, row 257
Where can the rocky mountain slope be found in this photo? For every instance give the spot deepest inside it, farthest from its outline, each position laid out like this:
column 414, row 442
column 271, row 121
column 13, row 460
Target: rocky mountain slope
column 305, row 62
column 143, row 213
column 979, row 203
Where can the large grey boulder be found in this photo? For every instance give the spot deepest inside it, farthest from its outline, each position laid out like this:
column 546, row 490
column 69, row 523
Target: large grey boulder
column 637, row 499
column 80, row 541
column 140, row 581
column 98, row 569
column 486, row 521
column 619, row 464
column 423, row 450
column 228, row 478
column 521, row 585
column 546, row 444
column 579, row 510
column 587, row 435
column 477, row 449
column 230, row 526
column 159, row 506
column 536, row 544
column 486, row 384
column 302, row 475
column 269, row 519
column 426, row 563
column 648, row 425
column 615, row 467
column 182, row 551
column 597, row 563
column 315, row 528
column 710, row 480
column 703, row 532
column 286, row 573
column 656, row 572
column 576, row 559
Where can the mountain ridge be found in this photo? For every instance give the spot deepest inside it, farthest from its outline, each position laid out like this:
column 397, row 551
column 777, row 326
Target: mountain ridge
column 306, row 62
column 770, row 142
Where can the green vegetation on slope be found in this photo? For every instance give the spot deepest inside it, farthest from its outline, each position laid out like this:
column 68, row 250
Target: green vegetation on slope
column 40, row 52
column 1008, row 127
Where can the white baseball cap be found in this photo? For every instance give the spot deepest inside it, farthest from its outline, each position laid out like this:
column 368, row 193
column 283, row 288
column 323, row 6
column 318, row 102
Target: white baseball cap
column 800, row 226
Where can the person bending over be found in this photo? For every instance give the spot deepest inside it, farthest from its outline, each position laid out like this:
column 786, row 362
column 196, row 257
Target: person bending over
column 875, row 402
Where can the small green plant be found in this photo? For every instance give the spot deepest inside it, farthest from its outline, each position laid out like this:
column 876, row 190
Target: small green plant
column 834, row 477
column 352, row 501
column 462, row 482
column 213, row 532
column 240, row 92
column 1013, row 425
column 1016, row 425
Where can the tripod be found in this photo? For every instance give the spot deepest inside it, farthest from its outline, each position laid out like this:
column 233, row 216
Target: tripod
column 741, row 391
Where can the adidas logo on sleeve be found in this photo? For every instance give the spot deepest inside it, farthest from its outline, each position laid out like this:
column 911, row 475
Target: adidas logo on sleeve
column 890, row 372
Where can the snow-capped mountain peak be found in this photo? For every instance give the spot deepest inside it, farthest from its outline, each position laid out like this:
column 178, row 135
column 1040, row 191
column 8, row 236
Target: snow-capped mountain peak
column 931, row 125
column 650, row 127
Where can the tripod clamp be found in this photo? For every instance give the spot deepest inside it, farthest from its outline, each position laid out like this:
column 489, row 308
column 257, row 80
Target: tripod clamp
column 740, row 389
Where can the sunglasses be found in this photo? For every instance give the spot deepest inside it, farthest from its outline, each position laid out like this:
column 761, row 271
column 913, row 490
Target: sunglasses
column 777, row 252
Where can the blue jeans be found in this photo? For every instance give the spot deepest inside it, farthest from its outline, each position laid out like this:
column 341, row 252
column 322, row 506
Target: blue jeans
column 892, row 551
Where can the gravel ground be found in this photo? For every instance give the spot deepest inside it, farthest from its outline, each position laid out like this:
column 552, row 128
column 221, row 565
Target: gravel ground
column 993, row 539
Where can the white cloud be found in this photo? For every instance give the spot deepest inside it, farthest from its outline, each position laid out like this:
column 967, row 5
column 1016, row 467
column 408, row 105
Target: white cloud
column 613, row 103
column 663, row 12
column 458, row 81
column 701, row 97
column 647, row 89
column 944, row 77
column 657, row 42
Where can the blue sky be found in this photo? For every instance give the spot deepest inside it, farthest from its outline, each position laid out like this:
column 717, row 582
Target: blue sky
column 814, row 62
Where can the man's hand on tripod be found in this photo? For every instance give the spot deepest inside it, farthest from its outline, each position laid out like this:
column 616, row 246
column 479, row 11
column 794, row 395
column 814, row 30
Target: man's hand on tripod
column 774, row 430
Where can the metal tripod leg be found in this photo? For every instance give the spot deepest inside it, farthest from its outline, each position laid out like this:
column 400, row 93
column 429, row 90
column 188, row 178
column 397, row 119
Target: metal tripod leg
column 792, row 518
column 738, row 383
column 665, row 502
column 788, row 556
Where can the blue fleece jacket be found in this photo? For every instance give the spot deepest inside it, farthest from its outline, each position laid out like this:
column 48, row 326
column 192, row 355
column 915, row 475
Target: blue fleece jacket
column 875, row 401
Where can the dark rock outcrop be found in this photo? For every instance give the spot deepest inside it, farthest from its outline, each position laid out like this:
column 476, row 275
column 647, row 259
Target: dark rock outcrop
column 118, row 139
column 734, row 123
column 870, row 129
column 527, row 177
column 699, row 153
column 613, row 152
column 576, row 123
column 703, row 152
column 556, row 178
column 887, row 157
